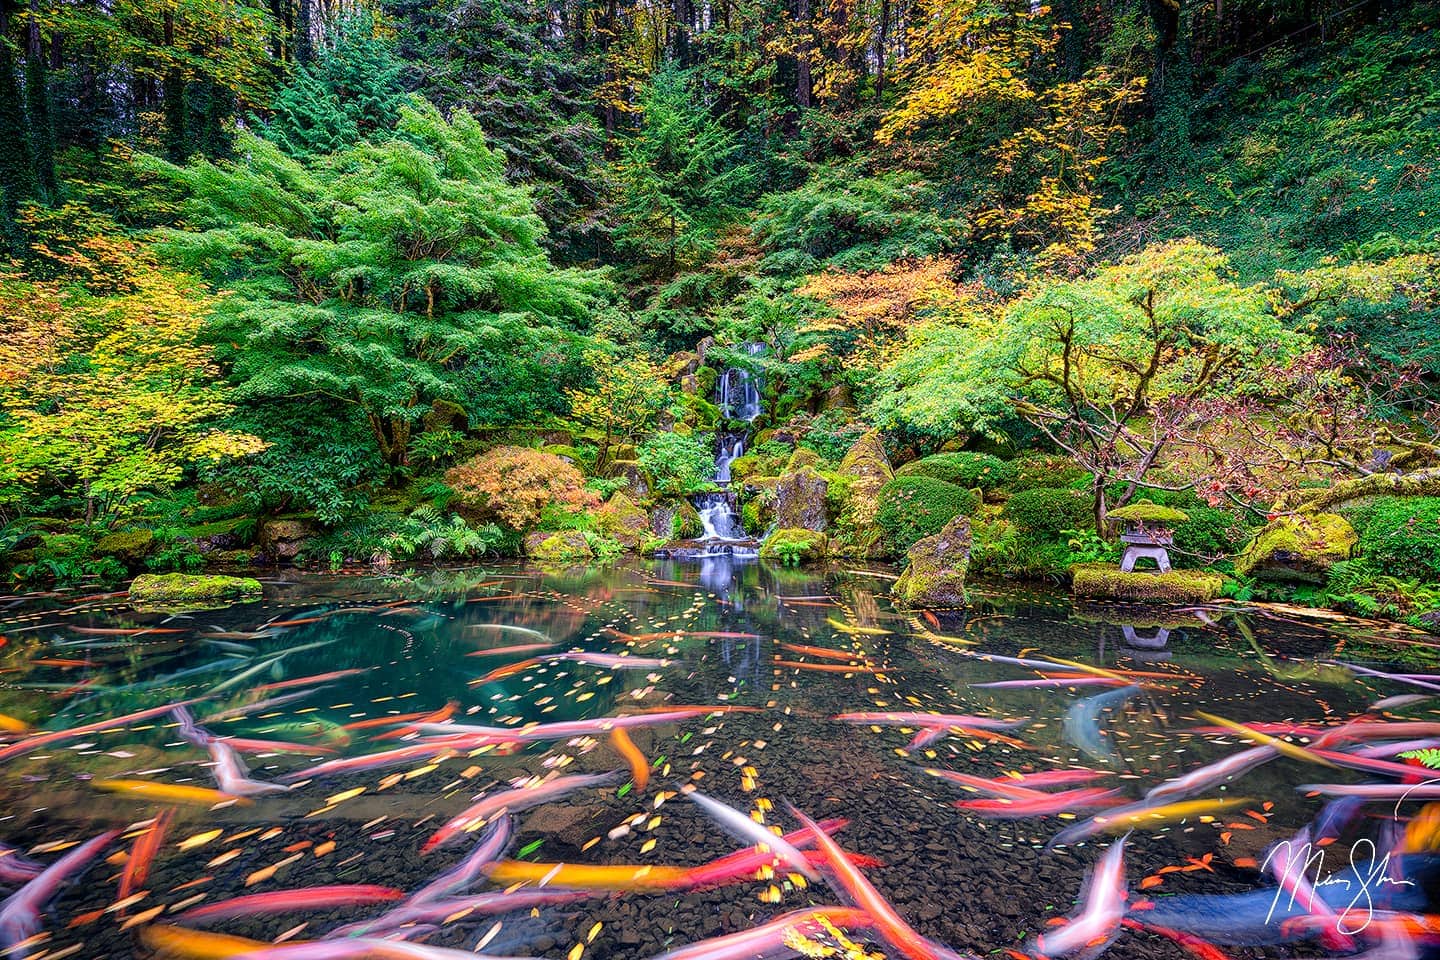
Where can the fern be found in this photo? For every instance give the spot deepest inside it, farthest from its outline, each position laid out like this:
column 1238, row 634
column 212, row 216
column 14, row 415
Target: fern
column 1430, row 757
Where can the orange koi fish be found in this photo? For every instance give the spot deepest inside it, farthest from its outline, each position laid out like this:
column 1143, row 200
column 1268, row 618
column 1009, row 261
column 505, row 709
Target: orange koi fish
column 142, row 855
column 639, row 766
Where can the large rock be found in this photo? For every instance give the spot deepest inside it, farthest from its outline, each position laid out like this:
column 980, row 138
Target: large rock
column 935, row 575
column 620, row 519
column 130, row 547
column 676, row 520
column 1299, row 548
column 186, row 588
column 284, row 538
column 868, row 470
column 793, row 547
column 800, row 500
column 567, row 546
column 637, row 481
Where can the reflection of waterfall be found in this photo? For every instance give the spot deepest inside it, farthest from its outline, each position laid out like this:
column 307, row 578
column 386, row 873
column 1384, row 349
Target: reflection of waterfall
column 737, row 393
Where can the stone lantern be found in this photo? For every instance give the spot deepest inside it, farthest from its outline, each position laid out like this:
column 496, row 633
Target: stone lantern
column 1147, row 533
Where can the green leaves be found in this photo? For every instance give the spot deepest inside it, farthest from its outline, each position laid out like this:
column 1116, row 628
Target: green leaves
column 375, row 275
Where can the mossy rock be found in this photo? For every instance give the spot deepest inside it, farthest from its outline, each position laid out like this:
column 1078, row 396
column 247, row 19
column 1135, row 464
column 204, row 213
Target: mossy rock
column 563, row 451
column 445, row 415
column 567, row 546
column 935, row 573
column 1104, row 581
column 794, row 546
column 1301, row 548
column 868, row 469
column 191, row 588
column 800, row 500
column 1146, row 512
column 802, row 457
column 705, row 380
column 701, row 413
column 637, row 481
column 621, row 520
column 285, row 538
column 130, row 547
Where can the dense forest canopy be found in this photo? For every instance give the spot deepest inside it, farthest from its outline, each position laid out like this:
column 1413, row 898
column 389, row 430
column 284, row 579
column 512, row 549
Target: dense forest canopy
column 304, row 260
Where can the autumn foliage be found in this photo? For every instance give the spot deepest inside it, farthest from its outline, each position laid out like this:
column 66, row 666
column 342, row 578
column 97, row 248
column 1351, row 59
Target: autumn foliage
column 511, row 485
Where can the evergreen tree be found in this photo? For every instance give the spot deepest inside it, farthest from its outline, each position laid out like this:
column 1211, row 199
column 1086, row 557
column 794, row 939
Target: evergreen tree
column 681, row 179
column 347, row 92
column 17, row 175
column 37, row 108
column 374, row 277
column 499, row 60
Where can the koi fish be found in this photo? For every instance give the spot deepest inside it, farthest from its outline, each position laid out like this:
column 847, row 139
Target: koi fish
column 387, row 758
column 142, row 854
column 511, row 651
column 772, row 939
column 570, row 728
column 10, row 724
column 1099, row 918
column 639, row 766
column 886, row 921
column 1280, row 727
column 449, row 910
column 249, row 745
column 509, row 670
column 545, row 639
column 181, row 944
column 16, row 867
column 1052, row 778
column 166, row 792
column 286, row 901
column 742, row 827
column 613, row 661
column 491, row 845
column 580, row 876
column 1070, row 681
column 231, row 775
column 1222, row 771
column 1044, row 804
column 998, row 788
column 1149, row 816
column 743, row 864
column 317, row 678
column 20, row 914
column 856, row 629
column 1291, row 750
column 361, row 948
column 55, row 736
column 122, row 631
column 893, row 719
column 1202, row 949
column 826, row 653
column 822, row 667
column 520, row 798
column 1374, row 791
column 1081, row 725
column 431, row 716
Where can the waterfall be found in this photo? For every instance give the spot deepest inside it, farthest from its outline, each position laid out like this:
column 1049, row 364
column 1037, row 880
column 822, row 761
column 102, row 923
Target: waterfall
column 737, row 393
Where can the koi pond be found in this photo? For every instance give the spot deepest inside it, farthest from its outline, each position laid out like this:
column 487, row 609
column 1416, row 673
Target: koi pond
column 709, row 760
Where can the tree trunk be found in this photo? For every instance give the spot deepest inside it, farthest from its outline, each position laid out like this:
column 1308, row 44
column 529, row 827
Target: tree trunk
column 804, row 84
column 177, row 147
column 17, row 175
column 37, row 103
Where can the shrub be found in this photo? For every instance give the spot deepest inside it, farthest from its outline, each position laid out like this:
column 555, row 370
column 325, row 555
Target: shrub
column 1044, row 470
column 1401, row 535
column 1210, row 534
column 513, row 484
column 912, row 508
column 678, row 465
column 1046, row 511
column 966, row 469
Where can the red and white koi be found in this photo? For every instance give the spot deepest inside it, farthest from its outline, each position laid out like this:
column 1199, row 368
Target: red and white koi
column 742, row 827
column 287, row 901
column 231, row 775
column 891, row 719
column 20, row 914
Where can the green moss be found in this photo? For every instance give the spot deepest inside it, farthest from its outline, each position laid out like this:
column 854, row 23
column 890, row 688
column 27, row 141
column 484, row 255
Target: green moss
column 129, row 546
column 1046, row 511
column 963, row 468
column 1144, row 511
column 793, row 547
column 567, row 546
column 701, row 413
column 183, row 588
column 912, row 508
column 1299, row 547
column 564, row 451
column 801, row 458
column 1104, row 581
column 1043, row 470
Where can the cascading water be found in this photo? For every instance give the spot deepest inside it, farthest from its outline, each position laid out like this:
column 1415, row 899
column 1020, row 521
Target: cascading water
column 737, row 393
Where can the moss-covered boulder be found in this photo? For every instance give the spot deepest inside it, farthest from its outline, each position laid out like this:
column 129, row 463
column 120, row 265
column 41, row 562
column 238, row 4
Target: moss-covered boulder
column 188, row 588
column 282, row 539
column 562, row 450
column 130, row 547
column 637, row 482
column 800, row 500
column 867, row 467
column 935, row 573
column 800, row 458
column 1104, row 581
column 566, row 546
column 445, row 415
column 621, row 520
column 793, row 547
column 1301, row 548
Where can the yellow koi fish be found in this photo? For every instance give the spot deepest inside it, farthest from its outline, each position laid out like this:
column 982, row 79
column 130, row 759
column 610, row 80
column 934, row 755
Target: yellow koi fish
column 167, row 792
column 581, row 876
column 1294, row 751
column 1151, row 818
column 178, row 943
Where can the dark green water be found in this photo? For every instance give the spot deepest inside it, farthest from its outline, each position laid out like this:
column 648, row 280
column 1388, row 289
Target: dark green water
column 403, row 646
